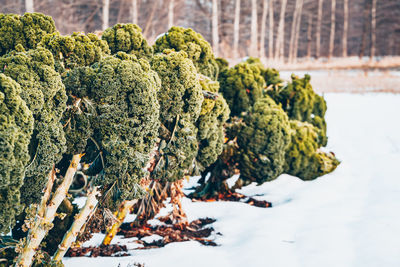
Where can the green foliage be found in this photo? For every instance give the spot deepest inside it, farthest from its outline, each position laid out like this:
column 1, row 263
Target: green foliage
column 222, row 63
column 241, row 85
column 270, row 75
column 124, row 117
column 74, row 50
column 23, row 32
column 16, row 126
column 44, row 94
column 263, row 141
column 214, row 113
column 127, row 38
column 301, row 103
column 304, row 159
column 180, row 101
column 196, row 47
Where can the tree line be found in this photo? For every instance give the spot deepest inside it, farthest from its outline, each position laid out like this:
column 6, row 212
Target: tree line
column 273, row 29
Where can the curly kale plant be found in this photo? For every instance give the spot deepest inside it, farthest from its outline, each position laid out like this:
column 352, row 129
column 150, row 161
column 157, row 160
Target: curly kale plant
column 124, row 117
column 74, row 50
column 16, row 126
column 270, row 75
column 127, row 38
column 180, row 99
column 241, row 85
column 214, row 113
column 44, row 94
column 301, row 103
column 196, row 47
column 24, row 31
column 263, row 141
column 304, row 159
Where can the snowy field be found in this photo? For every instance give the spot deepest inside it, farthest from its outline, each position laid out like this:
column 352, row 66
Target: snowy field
column 348, row 218
column 348, row 81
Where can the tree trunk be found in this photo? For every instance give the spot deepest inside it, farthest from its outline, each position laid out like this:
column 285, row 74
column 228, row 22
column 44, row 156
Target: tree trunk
column 345, row 27
column 106, row 10
column 332, row 34
column 171, row 13
column 215, row 37
column 318, row 37
column 77, row 225
column 134, row 12
column 149, row 22
column 29, row 6
column 263, row 29
column 309, row 36
column 236, row 30
column 253, row 50
column 271, row 30
column 297, row 31
column 365, row 26
column 292, row 32
column 373, row 29
column 46, row 213
column 280, row 40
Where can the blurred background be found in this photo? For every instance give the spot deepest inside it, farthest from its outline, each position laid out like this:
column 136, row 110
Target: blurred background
column 310, row 35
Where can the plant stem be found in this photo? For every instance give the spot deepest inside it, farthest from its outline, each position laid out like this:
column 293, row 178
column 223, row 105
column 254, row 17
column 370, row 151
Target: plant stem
column 45, row 214
column 124, row 209
column 77, row 225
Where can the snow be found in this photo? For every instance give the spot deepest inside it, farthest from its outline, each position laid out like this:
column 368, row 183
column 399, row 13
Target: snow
column 348, row 218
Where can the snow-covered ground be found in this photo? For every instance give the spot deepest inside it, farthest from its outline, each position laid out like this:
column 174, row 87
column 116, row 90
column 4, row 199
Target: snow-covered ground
column 348, row 218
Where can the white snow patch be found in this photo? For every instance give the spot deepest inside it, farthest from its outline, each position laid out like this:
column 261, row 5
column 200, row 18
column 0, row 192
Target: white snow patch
column 96, row 240
column 80, row 201
column 151, row 238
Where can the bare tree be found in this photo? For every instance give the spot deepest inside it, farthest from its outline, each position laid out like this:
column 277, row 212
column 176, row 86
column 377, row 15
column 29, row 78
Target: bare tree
column 106, row 12
column 236, row 30
column 345, row 27
column 253, row 50
column 280, row 44
column 373, row 28
column 271, row 30
column 171, row 13
column 29, row 6
column 263, row 28
column 332, row 33
column 215, row 36
column 318, row 37
column 364, row 30
column 309, row 35
column 295, row 28
column 297, row 31
column 134, row 10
